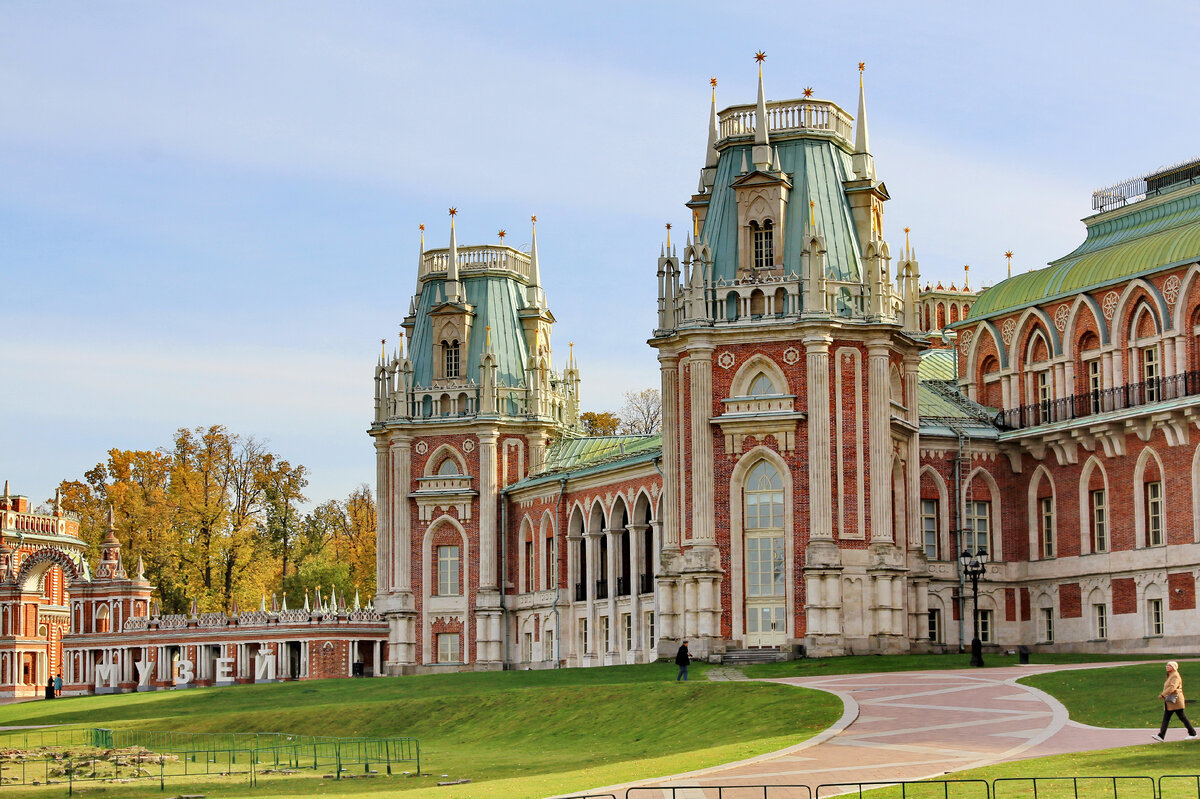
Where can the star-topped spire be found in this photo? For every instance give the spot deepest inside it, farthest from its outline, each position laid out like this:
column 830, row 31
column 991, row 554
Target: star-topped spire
column 712, row 156
column 534, row 294
column 864, row 164
column 761, row 139
column 668, row 238
column 1008, row 255
column 906, row 232
column 452, row 261
column 966, row 277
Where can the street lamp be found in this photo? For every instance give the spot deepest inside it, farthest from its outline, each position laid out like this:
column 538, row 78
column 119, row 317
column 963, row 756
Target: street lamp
column 973, row 566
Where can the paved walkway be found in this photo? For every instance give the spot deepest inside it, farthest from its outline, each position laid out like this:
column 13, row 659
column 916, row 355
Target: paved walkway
column 915, row 725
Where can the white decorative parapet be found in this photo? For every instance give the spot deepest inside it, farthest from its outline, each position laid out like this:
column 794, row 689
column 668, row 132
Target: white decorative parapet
column 477, row 257
column 785, row 116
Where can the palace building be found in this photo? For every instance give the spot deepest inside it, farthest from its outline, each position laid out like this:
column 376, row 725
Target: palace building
column 833, row 436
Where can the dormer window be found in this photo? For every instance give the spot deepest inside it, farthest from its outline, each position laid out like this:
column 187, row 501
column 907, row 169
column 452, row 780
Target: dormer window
column 451, row 352
column 762, row 386
column 763, row 237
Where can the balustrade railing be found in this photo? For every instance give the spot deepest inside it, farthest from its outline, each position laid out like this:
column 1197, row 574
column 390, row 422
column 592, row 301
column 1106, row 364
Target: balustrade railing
column 785, row 116
column 1078, row 406
column 481, row 257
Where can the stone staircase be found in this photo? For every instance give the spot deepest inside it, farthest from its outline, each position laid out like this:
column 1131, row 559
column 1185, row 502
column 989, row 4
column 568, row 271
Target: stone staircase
column 747, row 657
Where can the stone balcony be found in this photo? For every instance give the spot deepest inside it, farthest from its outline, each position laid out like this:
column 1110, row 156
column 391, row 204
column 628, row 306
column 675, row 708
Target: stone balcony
column 787, row 119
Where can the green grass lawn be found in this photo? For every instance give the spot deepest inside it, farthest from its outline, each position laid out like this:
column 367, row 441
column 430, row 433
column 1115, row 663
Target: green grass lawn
column 863, row 664
column 1120, row 697
column 524, row 733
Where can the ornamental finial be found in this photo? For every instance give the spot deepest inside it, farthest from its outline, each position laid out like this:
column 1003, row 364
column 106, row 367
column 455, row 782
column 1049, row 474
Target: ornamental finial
column 453, row 211
column 760, row 56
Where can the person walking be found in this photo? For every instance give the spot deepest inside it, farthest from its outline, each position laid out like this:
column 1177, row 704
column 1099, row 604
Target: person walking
column 58, row 685
column 682, row 660
column 1173, row 702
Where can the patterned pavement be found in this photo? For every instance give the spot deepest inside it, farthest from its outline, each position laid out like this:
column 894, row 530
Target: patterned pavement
column 910, row 726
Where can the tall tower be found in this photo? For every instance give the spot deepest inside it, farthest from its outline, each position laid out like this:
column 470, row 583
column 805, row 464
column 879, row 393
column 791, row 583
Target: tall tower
column 789, row 381
column 465, row 409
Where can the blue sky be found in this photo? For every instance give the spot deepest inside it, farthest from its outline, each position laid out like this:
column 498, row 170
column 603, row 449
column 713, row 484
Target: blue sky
column 208, row 211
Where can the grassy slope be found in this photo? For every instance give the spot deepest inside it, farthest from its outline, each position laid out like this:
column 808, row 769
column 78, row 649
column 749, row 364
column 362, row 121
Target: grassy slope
column 537, row 731
column 864, row 664
column 1123, row 697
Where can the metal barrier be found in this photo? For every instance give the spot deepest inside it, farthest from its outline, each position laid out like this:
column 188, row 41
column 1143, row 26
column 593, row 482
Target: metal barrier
column 71, row 755
column 1060, row 787
column 721, row 792
column 923, row 789
column 1191, row 789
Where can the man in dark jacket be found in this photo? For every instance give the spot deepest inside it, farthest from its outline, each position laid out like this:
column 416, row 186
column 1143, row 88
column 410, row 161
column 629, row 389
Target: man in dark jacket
column 682, row 659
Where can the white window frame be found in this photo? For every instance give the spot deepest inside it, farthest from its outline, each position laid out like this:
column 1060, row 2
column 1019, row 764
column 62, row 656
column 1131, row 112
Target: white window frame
column 1099, row 501
column 605, row 633
column 1095, row 384
column 975, row 522
column 934, row 625
column 1154, row 616
column 929, row 526
column 1046, row 515
column 449, row 568
column 1154, row 513
column 627, row 630
column 583, row 636
column 1047, row 620
column 650, row 631
column 1100, row 621
column 1151, row 372
column 449, row 648
column 983, row 621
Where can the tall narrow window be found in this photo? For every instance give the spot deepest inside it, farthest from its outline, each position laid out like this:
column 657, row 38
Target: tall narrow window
column 1154, row 514
column 1043, row 394
column 452, row 357
column 1154, row 613
column 651, row 641
column 548, row 644
column 448, row 561
column 550, row 556
column 1100, row 620
column 529, row 584
column 979, row 524
column 929, row 527
column 1047, row 513
column 1048, row 625
column 1150, row 373
column 762, row 386
column 605, row 637
column 983, row 620
column 764, row 245
column 583, row 636
column 627, row 630
column 1095, row 385
column 765, row 589
column 935, row 626
column 1099, row 521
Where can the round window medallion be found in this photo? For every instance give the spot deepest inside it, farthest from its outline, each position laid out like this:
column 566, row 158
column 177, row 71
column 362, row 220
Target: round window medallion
column 725, row 360
column 1171, row 289
column 421, row 447
column 1110, row 304
column 468, row 446
column 1060, row 317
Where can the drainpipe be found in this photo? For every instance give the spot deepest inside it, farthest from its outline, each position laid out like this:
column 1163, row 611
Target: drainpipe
column 504, row 571
column 960, row 510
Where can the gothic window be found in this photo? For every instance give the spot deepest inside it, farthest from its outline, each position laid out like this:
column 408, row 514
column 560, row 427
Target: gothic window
column 764, row 244
column 451, row 352
column 448, row 467
column 762, row 386
column 929, row 528
column 765, row 562
column 1046, row 505
column 1154, row 514
column 1099, row 521
column 102, row 619
column 977, row 532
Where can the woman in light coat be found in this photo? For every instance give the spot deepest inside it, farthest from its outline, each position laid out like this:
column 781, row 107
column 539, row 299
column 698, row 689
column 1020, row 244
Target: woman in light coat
column 1173, row 702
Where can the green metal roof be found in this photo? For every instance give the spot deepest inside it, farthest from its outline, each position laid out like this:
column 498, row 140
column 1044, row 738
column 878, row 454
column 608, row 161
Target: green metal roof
column 1145, row 237
column 588, row 455
column 817, row 169
column 497, row 301
column 938, row 365
column 942, row 406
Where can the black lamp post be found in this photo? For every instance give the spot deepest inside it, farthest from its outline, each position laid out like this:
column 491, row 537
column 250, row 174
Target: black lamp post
column 973, row 566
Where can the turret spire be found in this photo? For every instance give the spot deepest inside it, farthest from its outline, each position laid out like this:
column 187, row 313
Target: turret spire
column 452, row 263
column 713, row 156
column 762, row 142
column 1007, row 255
column 864, row 164
column 534, row 292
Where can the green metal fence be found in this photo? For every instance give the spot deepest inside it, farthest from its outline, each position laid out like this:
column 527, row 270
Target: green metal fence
column 68, row 755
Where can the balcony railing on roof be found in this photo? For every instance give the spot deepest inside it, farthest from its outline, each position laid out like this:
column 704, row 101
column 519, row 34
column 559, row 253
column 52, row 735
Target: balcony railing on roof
column 787, row 116
column 1148, row 185
column 1080, row 406
column 481, row 257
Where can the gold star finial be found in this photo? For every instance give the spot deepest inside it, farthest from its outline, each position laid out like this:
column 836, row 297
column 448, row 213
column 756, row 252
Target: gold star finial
column 533, row 219
column 1008, row 255
column 712, row 82
column 760, row 56
column 862, row 65
column 812, row 213
column 422, row 226
column 906, row 232
column 453, row 211
column 808, row 91
column 502, row 233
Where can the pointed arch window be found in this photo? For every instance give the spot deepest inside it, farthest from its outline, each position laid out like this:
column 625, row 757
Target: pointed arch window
column 451, row 352
column 765, row 570
column 763, row 237
column 762, row 386
column 448, row 467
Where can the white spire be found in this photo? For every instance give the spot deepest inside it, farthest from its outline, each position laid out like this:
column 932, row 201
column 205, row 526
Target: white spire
column 745, row 168
column 762, row 142
column 452, row 262
column 534, row 292
column 864, row 164
column 713, row 156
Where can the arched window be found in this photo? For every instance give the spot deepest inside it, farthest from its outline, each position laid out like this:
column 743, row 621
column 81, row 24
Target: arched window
column 451, row 351
column 765, row 572
column 764, row 244
column 448, row 467
column 762, row 386
column 103, row 619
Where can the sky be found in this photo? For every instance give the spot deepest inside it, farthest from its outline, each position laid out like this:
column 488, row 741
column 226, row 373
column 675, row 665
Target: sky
column 209, row 211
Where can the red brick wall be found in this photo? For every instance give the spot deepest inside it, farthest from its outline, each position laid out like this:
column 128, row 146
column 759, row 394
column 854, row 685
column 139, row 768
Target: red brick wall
column 1181, row 586
column 1070, row 604
column 1124, row 595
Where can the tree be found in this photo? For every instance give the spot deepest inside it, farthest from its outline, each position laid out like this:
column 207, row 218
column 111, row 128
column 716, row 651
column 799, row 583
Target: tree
column 284, row 490
column 642, row 412
column 600, row 424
